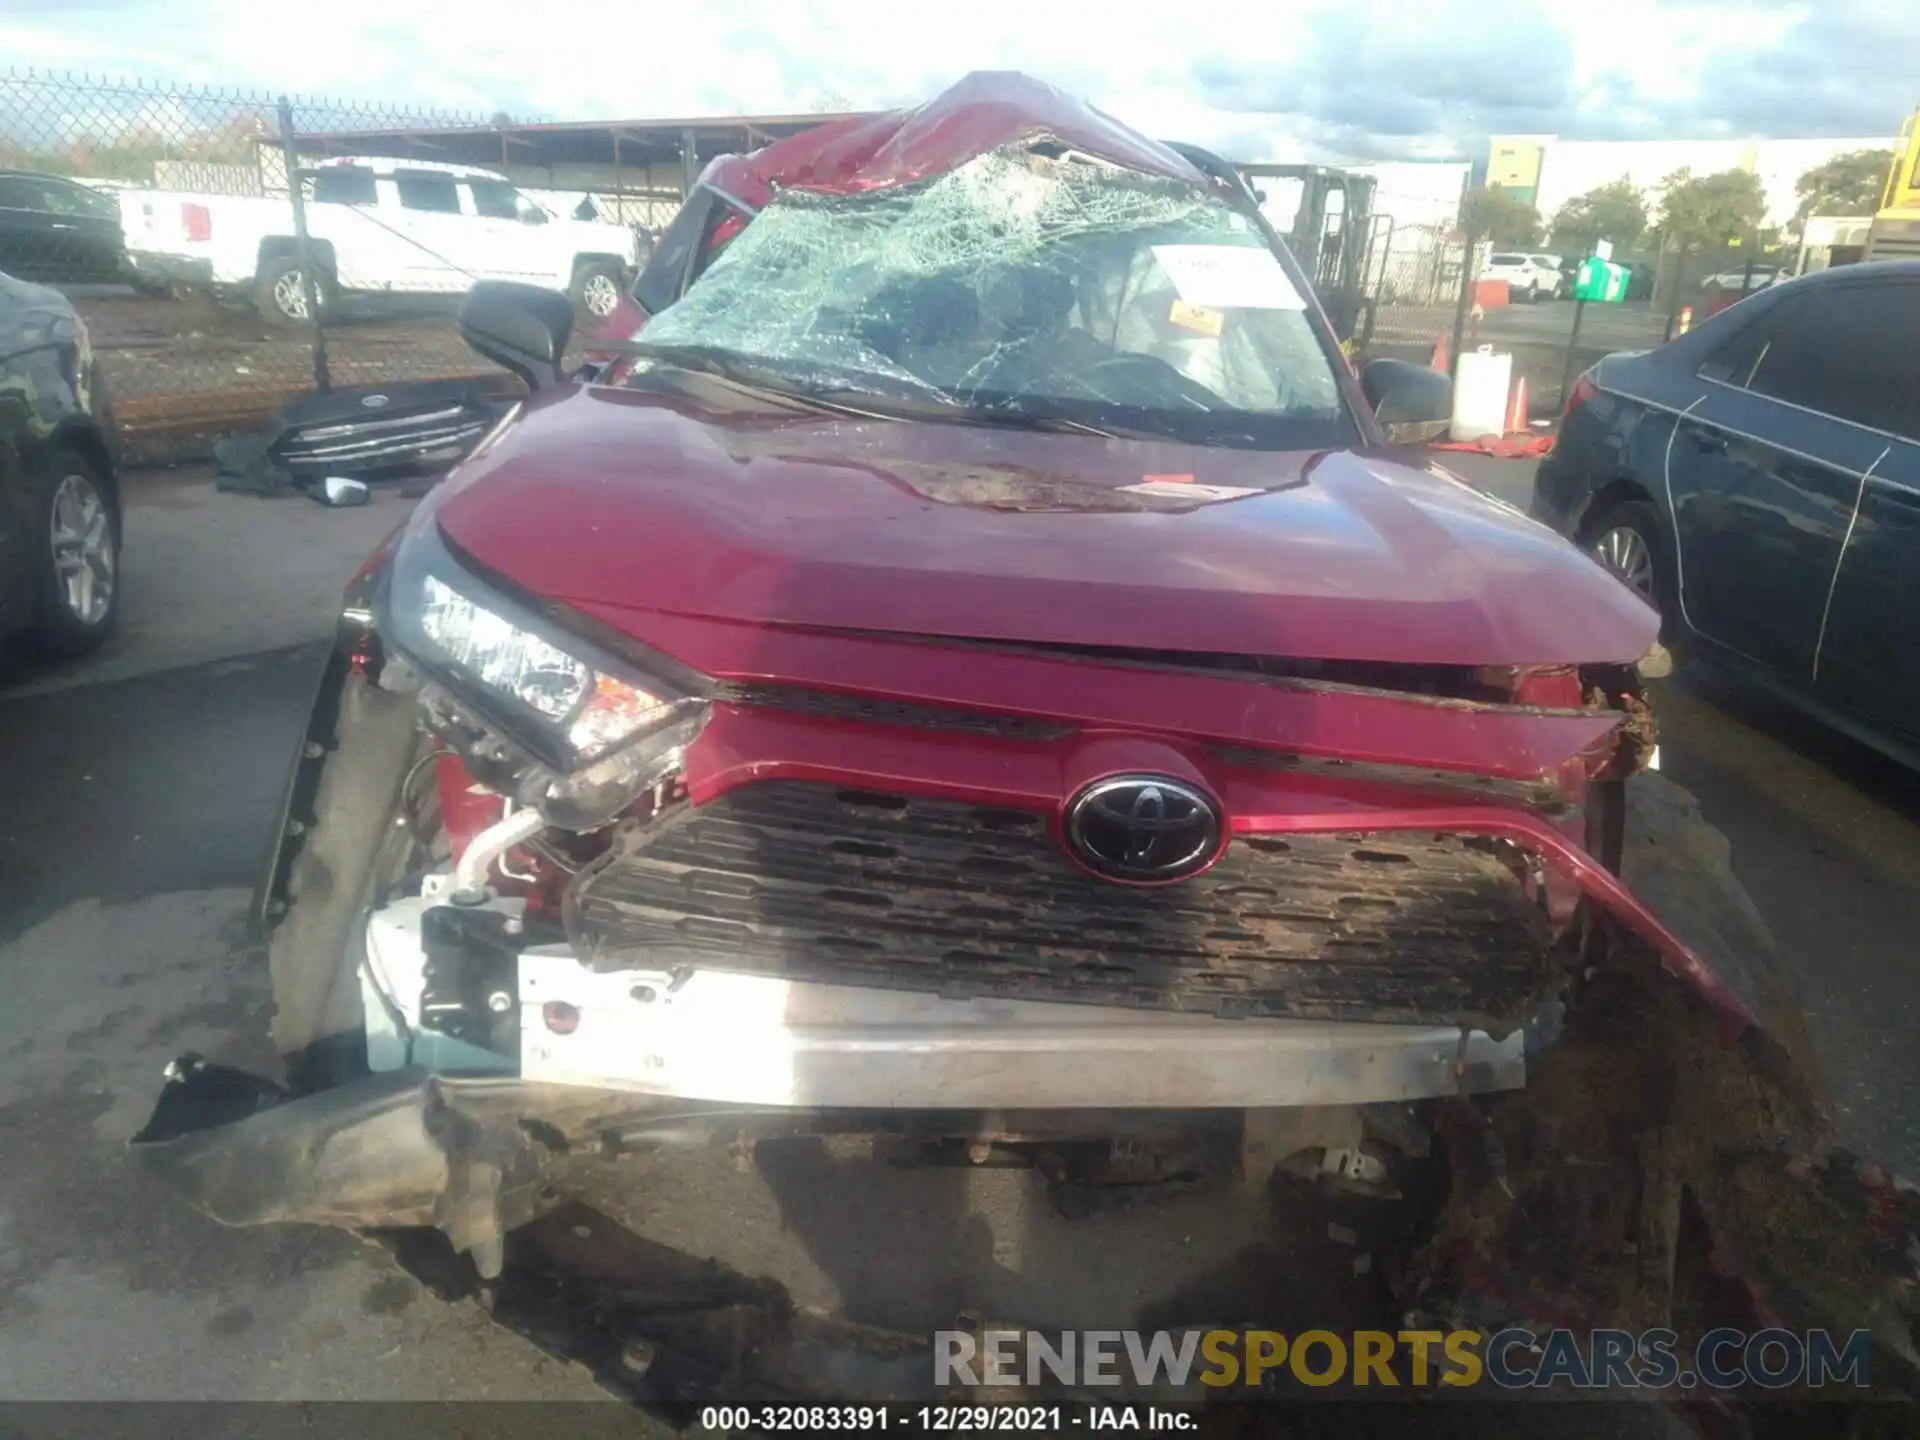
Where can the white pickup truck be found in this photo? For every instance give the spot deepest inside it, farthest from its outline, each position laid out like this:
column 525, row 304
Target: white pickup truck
column 375, row 226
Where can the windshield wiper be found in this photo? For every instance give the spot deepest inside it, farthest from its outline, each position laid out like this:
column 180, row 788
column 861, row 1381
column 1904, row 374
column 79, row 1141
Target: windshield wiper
column 866, row 404
column 1007, row 417
column 748, row 379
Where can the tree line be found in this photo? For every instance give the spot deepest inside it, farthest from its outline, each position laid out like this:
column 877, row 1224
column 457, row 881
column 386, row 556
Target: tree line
column 1695, row 211
column 131, row 152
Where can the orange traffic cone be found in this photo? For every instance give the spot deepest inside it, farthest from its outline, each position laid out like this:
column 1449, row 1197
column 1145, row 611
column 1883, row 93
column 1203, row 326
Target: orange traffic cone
column 1441, row 361
column 1517, row 408
column 1686, row 321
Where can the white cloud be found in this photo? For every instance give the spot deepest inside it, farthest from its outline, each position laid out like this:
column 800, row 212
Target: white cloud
column 1280, row 79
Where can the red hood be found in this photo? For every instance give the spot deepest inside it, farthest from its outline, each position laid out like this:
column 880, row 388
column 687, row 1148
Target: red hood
column 629, row 502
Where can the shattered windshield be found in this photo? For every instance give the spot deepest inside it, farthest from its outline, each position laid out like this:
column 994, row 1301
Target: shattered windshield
column 1019, row 286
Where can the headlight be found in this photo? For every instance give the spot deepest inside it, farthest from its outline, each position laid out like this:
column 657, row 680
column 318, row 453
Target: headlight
column 558, row 720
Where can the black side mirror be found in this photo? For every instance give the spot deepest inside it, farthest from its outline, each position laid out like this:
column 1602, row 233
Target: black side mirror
column 1411, row 402
column 533, row 215
column 522, row 327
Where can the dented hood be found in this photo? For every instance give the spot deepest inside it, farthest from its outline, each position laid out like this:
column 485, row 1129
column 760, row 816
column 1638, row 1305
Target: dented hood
column 626, row 502
column 989, row 110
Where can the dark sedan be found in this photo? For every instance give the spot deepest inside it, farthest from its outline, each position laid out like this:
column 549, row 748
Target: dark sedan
column 1759, row 481
column 59, row 490
column 56, row 230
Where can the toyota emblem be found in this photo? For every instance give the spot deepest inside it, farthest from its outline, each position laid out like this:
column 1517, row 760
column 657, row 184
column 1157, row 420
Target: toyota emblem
column 374, row 402
column 1147, row 829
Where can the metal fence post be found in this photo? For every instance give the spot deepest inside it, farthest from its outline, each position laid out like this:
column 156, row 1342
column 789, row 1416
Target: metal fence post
column 302, row 250
column 1679, row 283
column 1386, row 251
column 1469, row 221
column 1573, row 343
column 689, row 162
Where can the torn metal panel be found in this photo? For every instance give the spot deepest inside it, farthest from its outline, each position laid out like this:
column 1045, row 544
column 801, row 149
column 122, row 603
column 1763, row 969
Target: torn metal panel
column 984, row 112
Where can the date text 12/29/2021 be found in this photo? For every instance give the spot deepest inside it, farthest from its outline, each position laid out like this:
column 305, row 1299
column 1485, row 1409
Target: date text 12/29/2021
column 940, row 1419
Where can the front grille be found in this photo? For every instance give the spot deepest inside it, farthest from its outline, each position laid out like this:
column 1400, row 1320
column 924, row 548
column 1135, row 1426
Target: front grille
column 416, row 423
column 438, row 436
column 813, row 882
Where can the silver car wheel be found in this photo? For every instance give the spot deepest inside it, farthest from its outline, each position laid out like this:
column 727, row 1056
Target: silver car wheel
column 83, row 558
column 1624, row 551
column 290, row 295
column 600, row 295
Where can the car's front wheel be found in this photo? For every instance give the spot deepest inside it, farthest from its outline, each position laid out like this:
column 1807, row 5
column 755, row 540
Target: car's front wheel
column 78, row 586
column 1531, row 294
column 280, row 293
column 1630, row 540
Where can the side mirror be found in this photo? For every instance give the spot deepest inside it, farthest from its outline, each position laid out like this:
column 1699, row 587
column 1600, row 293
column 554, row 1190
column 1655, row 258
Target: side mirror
column 533, row 215
column 523, row 328
column 1411, row 402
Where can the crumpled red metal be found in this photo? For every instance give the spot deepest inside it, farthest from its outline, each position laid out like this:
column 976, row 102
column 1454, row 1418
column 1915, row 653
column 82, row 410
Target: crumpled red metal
column 988, row 110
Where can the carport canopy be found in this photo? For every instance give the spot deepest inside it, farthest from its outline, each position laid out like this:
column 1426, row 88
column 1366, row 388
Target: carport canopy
column 619, row 146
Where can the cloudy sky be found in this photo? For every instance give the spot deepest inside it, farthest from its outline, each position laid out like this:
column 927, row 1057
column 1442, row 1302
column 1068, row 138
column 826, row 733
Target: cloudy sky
column 1287, row 79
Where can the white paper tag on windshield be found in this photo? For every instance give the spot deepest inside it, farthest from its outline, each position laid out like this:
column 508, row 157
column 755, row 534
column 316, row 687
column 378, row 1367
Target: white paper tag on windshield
column 1228, row 277
column 1188, row 490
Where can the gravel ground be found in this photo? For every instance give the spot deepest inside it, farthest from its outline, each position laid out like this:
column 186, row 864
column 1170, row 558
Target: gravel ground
column 172, row 363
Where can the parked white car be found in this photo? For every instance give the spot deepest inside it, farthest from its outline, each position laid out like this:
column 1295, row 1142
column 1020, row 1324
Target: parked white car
column 376, row 226
column 1762, row 277
column 1527, row 278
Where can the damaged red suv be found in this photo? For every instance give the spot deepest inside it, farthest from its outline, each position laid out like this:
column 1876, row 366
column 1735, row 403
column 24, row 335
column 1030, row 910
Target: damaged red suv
column 971, row 678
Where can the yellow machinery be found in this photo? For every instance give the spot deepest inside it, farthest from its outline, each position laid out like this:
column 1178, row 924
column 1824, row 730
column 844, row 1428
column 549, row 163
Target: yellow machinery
column 1895, row 234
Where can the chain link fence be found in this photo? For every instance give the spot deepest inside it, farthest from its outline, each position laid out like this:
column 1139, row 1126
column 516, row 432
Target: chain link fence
column 1412, row 281
column 1415, row 299
column 230, row 250
column 77, row 154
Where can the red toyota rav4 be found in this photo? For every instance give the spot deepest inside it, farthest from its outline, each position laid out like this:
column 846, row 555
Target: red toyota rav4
column 972, row 673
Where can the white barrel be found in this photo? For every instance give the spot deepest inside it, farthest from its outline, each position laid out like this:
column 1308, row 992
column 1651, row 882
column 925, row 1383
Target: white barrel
column 1480, row 384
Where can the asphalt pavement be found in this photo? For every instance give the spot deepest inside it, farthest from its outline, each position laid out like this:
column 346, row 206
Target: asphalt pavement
column 136, row 791
column 1633, row 326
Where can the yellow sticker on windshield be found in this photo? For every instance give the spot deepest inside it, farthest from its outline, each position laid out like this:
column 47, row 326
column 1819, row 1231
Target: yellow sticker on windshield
column 1194, row 317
